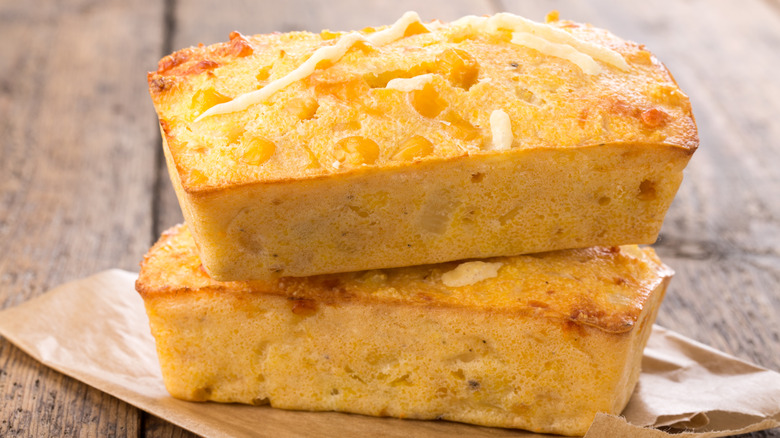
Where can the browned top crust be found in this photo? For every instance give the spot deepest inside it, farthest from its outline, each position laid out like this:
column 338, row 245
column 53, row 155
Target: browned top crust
column 345, row 117
column 600, row 286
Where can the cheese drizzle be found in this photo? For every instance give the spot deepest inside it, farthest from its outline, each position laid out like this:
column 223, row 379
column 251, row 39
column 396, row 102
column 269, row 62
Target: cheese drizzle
column 546, row 39
column 328, row 53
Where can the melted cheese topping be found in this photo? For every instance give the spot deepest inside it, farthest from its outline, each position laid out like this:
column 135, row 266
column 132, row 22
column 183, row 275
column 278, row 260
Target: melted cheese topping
column 546, row 39
column 409, row 84
column 328, row 53
column 501, row 128
column 394, row 32
column 541, row 31
column 586, row 63
column 470, row 273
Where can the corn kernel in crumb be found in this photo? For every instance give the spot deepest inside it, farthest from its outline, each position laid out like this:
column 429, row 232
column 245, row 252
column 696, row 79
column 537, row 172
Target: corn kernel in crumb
column 303, row 108
column 415, row 147
column 462, row 70
column 206, row 98
column 257, row 150
column 356, row 150
column 427, row 101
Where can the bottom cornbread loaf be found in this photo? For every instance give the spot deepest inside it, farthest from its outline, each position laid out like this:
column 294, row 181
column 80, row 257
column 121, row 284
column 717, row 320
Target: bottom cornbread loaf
column 540, row 342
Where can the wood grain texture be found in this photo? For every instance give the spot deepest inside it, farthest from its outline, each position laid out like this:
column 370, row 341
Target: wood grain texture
column 77, row 167
column 84, row 188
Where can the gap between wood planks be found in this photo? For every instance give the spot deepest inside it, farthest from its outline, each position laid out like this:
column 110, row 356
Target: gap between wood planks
column 169, row 30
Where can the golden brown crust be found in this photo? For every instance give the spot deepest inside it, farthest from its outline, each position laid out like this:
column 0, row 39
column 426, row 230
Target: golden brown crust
column 603, row 287
column 551, row 102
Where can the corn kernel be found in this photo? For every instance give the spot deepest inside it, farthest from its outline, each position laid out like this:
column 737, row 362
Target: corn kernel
column 459, row 127
column 642, row 57
column 415, row 29
column 417, row 146
column 427, row 101
column 197, row 177
column 328, row 35
column 324, row 64
column 257, row 150
column 303, row 108
column 461, row 68
column 204, row 99
column 356, row 150
column 263, row 74
column 364, row 47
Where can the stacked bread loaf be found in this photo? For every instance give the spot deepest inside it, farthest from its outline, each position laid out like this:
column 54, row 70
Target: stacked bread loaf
column 421, row 220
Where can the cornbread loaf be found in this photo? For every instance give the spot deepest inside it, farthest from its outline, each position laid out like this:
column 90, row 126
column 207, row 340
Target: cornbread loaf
column 299, row 153
column 540, row 342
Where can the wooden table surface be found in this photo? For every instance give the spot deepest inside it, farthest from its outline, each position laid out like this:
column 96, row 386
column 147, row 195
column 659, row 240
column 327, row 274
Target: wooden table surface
column 83, row 186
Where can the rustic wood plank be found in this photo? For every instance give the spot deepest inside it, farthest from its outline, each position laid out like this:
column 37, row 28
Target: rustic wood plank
column 157, row 427
column 79, row 160
column 77, row 166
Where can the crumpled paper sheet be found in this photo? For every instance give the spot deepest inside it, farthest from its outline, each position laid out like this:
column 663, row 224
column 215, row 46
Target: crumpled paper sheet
column 96, row 331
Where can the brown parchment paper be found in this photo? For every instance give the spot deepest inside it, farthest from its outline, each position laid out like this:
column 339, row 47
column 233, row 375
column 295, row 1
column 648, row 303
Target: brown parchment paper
column 96, row 331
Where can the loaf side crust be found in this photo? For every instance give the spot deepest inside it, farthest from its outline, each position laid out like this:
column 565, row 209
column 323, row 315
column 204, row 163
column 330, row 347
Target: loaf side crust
column 544, row 345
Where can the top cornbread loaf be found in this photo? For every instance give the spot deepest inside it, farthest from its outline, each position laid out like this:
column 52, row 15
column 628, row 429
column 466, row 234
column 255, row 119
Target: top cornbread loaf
column 298, row 154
